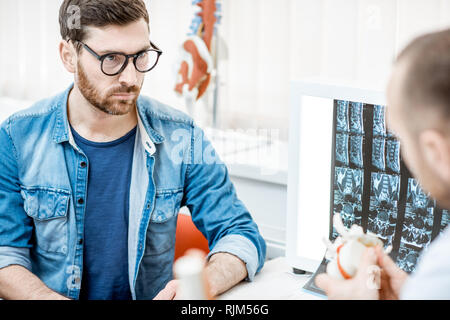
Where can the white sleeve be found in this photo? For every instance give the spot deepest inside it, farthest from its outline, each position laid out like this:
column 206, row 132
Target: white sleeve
column 431, row 279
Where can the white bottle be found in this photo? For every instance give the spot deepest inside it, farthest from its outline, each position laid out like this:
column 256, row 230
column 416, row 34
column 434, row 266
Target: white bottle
column 189, row 270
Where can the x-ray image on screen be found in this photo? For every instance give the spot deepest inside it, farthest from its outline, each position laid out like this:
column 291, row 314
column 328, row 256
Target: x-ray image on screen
column 383, row 209
column 342, row 116
column 356, row 118
column 379, row 122
column 445, row 219
column 378, row 153
column 419, row 216
column 373, row 188
column 407, row 258
column 393, row 155
column 342, row 156
column 356, row 150
column 348, row 195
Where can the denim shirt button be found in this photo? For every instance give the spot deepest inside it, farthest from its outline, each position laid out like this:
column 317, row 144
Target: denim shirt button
column 64, row 249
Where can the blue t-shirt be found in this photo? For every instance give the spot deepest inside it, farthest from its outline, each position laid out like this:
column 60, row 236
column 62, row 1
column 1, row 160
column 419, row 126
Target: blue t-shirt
column 105, row 254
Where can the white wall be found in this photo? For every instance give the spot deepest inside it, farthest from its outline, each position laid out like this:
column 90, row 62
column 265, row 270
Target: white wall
column 265, row 45
column 267, row 203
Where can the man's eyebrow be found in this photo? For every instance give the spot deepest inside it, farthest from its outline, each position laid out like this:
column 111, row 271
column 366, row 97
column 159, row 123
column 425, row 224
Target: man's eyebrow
column 103, row 52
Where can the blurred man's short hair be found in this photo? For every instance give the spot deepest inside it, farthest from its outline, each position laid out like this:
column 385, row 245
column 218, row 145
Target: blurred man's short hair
column 427, row 79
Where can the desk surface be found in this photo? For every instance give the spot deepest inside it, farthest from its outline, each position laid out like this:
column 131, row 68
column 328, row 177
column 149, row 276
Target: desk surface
column 275, row 281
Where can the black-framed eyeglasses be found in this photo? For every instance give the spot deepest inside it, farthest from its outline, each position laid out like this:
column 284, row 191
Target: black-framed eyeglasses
column 114, row 63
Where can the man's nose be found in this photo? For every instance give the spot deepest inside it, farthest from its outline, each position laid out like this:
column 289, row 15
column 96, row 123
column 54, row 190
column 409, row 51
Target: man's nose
column 128, row 76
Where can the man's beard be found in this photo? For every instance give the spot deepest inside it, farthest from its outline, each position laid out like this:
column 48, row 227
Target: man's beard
column 105, row 103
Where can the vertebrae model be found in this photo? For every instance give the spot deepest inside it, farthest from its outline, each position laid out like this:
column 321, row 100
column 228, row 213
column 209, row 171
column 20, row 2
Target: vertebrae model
column 346, row 251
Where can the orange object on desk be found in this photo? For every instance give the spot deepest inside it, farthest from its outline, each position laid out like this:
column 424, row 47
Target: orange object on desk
column 188, row 236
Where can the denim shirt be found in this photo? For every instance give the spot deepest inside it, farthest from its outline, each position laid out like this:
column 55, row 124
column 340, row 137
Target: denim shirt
column 43, row 186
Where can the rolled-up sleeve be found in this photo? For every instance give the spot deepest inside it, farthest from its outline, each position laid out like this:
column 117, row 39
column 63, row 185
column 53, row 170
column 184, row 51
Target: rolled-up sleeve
column 217, row 211
column 15, row 226
column 15, row 256
column 242, row 248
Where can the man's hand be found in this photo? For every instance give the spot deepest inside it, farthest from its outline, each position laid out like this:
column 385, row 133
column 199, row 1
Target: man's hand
column 392, row 277
column 169, row 292
column 363, row 286
column 378, row 277
column 222, row 272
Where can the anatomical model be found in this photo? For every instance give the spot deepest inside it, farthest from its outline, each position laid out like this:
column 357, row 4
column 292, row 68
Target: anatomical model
column 346, row 251
column 196, row 63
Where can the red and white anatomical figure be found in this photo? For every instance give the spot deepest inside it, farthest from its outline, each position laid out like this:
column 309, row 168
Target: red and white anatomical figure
column 345, row 253
column 195, row 68
column 196, row 63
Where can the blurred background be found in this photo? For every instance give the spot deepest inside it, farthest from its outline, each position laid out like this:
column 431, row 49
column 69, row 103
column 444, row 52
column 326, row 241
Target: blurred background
column 262, row 45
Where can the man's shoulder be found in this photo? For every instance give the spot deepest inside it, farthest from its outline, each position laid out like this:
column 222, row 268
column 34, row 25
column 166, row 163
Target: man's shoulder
column 431, row 279
column 155, row 110
column 43, row 109
column 434, row 260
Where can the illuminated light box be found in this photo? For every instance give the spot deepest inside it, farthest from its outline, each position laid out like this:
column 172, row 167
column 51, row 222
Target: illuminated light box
column 342, row 159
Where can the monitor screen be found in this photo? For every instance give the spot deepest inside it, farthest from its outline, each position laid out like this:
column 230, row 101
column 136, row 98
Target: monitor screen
column 344, row 129
column 373, row 188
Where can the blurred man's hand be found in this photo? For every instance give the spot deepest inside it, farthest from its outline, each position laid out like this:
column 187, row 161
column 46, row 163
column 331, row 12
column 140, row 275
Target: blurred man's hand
column 378, row 277
column 392, row 277
column 170, row 290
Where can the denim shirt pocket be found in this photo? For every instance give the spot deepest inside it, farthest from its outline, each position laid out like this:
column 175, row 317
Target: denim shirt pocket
column 155, row 270
column 48, row 207
column 163, row 222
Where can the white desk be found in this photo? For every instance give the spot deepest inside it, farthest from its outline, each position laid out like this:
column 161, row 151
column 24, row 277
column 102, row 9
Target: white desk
column 275, row 281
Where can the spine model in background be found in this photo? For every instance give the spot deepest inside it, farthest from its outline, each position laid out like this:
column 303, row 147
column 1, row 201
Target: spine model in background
column 196, row 63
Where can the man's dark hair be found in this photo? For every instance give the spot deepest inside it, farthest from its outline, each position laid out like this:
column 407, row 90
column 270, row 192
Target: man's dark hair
column 76, row 15
column 427, row 80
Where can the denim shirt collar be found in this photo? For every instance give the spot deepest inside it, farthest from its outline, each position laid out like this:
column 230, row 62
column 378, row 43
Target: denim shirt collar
column 62, row 133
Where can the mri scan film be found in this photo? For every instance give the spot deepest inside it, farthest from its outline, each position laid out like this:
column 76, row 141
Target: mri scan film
column 373, row 188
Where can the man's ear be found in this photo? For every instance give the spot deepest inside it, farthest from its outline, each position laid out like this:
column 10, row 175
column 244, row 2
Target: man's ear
column 68, row 56
column 436, row 152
